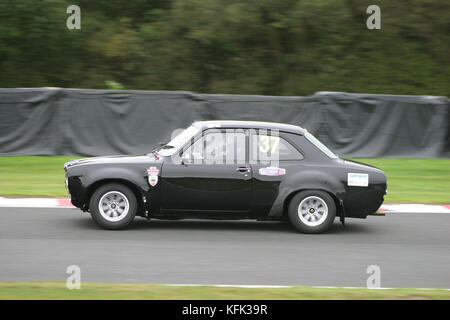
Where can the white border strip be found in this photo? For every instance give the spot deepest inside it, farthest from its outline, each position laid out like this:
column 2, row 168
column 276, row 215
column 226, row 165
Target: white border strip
column 415, row 208
column 65, row 203
column 35, row 203
column 276, row 286
column 29, row 202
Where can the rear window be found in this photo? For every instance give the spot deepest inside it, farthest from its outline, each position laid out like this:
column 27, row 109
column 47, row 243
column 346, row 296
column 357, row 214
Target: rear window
column 269, row 148
column 320, row 145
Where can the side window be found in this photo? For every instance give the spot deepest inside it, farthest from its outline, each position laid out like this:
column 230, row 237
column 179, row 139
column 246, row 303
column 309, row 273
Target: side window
column 195, row 150
column 218, row 147
column 269, row 148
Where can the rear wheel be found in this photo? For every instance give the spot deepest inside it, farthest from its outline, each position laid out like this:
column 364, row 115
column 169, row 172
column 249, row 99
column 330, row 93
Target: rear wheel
column 312, row 211
column 113, row 206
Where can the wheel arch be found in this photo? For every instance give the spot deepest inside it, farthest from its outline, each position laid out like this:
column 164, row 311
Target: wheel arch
column 289, row 197
column 97, row 184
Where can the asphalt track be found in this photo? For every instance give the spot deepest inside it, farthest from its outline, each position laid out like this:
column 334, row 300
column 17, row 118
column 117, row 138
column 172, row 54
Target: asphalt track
column 412, row 250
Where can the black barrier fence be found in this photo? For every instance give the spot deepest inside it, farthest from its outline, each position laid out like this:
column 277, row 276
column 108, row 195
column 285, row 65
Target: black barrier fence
column 45, row 121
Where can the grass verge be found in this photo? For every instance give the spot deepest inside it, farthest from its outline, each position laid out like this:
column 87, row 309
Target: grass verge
column 119, row 291
column 33, row 176
column 409, row 180
column 415, row 180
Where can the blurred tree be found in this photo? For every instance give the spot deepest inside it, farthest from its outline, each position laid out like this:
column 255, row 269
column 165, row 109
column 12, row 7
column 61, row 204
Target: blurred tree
column 273, row 47
column 113, row 85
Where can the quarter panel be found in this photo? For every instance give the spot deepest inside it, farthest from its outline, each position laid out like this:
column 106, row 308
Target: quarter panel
column 307, row 177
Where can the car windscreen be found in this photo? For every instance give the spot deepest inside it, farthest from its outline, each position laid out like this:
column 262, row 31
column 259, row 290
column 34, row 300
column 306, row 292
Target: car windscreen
column 320, row 145
column 178, row 142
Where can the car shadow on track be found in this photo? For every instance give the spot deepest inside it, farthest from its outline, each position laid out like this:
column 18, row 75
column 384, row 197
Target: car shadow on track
column 140, row 224
column 239, row 225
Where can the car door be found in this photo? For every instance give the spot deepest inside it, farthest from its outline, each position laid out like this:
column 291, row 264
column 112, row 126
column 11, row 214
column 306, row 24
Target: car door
column 273, row 158
column 213, row 176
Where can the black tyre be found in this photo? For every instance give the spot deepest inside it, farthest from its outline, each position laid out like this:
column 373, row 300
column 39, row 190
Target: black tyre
column 113, row 206
column 312, row 211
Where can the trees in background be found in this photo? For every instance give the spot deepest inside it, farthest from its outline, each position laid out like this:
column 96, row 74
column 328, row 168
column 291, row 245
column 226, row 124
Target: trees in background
column 271, row 47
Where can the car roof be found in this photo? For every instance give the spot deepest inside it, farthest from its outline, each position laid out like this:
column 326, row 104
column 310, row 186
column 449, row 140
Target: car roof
column 249, row 125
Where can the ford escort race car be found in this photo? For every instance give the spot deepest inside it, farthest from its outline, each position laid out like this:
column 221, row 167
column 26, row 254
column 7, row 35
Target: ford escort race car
column 228, row 170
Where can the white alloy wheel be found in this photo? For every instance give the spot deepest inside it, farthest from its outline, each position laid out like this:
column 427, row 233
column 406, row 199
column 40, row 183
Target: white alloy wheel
column 312, row 211
column 113, row 206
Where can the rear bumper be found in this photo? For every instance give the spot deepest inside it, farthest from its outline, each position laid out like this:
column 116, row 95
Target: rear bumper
column 364, row 203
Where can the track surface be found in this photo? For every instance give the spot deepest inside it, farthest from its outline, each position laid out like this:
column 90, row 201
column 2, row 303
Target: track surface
column 412, row 250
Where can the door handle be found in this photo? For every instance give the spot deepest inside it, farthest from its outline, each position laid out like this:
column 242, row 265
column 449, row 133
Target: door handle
column 243, row 169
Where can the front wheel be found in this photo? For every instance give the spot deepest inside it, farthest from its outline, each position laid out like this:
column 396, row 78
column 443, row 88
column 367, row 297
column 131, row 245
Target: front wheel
column 113, row 206
column 312, row 211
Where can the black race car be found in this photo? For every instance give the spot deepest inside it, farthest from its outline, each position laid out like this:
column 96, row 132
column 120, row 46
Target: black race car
column 228, row 170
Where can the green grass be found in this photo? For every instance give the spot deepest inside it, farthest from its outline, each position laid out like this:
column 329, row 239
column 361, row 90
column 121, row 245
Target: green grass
column 96, row 290
column 32, row 176
column 415, row 180
column 409, row 180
